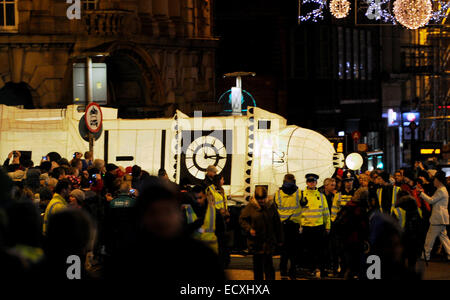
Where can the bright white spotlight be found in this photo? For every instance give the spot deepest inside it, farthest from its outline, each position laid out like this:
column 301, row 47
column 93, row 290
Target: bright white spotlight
column 354, row 161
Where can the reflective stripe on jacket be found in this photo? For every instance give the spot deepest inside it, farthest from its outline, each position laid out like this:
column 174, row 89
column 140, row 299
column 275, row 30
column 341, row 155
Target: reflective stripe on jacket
column 206, row 232
column 220, row 201
column 398, row 212
column 339, row 201
column 316, row 212
column 288, row 206
column 56, row 204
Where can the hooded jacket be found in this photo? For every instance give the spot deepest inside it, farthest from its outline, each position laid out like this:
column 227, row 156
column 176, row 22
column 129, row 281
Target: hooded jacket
column 266, row 223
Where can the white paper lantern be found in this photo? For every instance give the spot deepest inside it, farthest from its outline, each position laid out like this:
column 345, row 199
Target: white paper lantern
column 354, row 161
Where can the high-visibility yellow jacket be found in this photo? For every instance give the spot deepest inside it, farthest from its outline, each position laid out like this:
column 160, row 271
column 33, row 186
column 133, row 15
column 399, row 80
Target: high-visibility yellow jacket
column 288, row 206
column 398, row 212
column 56, row 204
column 339, row 201
column 206, row 232
column 316, row 212
column 220, row 201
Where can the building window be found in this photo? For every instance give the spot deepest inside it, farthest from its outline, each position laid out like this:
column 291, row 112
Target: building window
column 90, row 4
column 8, row 15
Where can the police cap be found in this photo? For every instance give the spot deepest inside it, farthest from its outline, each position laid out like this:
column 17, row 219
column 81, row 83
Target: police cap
column 311, row 177
column 348, row 176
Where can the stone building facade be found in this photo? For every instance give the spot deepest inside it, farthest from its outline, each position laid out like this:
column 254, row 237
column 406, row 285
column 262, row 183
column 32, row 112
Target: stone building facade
column 159, row 53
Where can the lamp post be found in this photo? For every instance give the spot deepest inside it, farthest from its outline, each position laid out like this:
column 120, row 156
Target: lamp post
column 236, row 92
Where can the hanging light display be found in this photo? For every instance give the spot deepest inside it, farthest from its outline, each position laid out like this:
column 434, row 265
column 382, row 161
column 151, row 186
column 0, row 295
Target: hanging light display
column 317, row 13
column 339, row 8
column 413, row 14
column 379, row 10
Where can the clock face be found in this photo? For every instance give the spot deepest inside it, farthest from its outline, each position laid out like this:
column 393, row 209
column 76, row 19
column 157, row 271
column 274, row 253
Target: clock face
column 203, row 152
column 201, row 149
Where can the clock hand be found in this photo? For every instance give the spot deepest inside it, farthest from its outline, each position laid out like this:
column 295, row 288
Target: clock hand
column 215, row 156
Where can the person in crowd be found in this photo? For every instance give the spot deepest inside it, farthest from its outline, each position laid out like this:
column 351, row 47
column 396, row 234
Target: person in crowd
column 76, row 198
column 136, row 173
column 88, row 160
column 160, row 251
column 387, row 195
column 59, row 173
column 163, row 174
column 315, row 223
column 70, row 232
column 45, row 168
column 77, row 164
column 58, row 202
column 99, row 164
column 412, row 230
column 200, row 218
column 340, row 200
column 63, row 162
column 439, row 215
column 110, row 177
column 25, row 231
column 364, row 180
column 352, row 227
column 344, row 195
column 385, row 240
column 329, row 191
column 211, row 171
column 398, row 177
column 287, row 199
column 119, row 219
column 261, row 221
column 32, row 180
column 15, row 164
column 412, row 187
column 216, row 194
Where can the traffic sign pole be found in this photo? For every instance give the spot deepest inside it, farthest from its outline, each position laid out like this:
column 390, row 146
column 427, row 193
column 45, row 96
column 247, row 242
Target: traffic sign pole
column 88, row 85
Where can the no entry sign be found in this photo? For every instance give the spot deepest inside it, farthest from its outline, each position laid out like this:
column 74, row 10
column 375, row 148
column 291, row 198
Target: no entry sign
column 93, row 117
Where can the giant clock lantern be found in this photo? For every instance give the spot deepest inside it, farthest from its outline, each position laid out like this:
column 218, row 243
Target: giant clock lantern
column 256, row 148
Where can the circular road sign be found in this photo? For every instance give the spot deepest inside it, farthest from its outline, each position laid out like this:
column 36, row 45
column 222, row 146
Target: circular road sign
column 93, row 117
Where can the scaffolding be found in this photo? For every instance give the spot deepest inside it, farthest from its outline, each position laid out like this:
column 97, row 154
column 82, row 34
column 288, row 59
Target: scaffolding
column 427, row 61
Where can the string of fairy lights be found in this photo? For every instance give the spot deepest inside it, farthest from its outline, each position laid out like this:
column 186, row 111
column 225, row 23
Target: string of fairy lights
column 412, row 14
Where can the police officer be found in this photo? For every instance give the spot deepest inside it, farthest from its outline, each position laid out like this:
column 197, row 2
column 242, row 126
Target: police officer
column 315, row 224
column 345, row 194
column 289, row 209
column 340, row 200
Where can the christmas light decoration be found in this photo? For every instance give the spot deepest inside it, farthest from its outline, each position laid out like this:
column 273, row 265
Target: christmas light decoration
column 378, row 10
column 442, row 11
column 316, row 14
column 339, row 8
column 413, row 14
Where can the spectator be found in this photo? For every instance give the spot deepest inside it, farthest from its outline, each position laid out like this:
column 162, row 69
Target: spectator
column 76, row 198
column 261, row 221
column 59, row 173
column 32, row 180
column 77, row 164
column 211, row 171
column 398, row 178
column 385, row 239
column 160, row 250
column 136, row 173
column 15, row 164
column 58, row 201
column 162, row 174
column 70, row 232
column 119, row 220
column 88, row 160
column 351, row 225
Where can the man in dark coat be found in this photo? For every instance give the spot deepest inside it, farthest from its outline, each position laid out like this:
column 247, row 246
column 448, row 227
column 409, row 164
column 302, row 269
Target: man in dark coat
column 261, row 221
